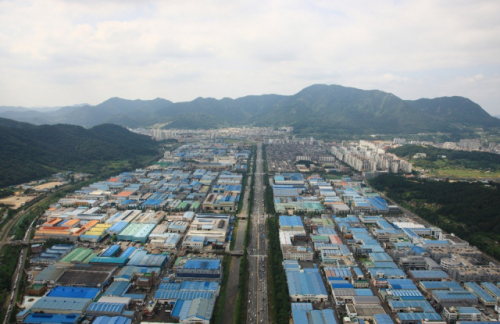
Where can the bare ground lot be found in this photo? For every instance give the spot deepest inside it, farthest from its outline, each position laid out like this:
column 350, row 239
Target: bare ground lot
column 16, row 201
column 48, row 185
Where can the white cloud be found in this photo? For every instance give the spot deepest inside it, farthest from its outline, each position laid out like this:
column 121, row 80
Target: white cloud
column 64, row 52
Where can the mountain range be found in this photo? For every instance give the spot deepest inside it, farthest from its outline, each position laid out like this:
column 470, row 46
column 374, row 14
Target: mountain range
column 318, row 109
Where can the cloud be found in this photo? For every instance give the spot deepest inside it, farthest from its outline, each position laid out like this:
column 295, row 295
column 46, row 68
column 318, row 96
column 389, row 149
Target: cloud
column 57, row 52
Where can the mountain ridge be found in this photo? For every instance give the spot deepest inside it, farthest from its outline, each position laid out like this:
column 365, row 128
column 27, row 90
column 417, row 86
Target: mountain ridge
column 319, row 108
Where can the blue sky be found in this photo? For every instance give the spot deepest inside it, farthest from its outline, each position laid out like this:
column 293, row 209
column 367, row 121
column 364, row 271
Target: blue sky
column 55, row 53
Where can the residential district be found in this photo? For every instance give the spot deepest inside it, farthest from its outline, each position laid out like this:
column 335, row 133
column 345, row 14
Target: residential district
column 148, row 245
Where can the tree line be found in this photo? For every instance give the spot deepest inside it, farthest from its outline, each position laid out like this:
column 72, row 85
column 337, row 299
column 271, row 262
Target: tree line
column 469, row 210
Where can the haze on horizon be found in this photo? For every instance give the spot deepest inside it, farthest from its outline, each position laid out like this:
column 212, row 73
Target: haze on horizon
column 55, row 53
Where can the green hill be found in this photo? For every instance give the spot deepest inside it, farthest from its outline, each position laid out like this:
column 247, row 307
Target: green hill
column 456, row 110
column 31, row 152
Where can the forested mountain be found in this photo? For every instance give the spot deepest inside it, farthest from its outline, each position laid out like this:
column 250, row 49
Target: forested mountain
column 31, row 152
column 457, row 110
column 318, row 109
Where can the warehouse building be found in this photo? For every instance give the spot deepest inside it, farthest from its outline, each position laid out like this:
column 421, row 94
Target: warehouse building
column 484, row 298
column 453, row 314
column 105, row 309
column 74, row 292
column 305, row 285
column 195, row 242
column 382, row 319
column 198, row 268
column 491, row 289
column 116, row 228
column 96, row 233
column 197, row 310
column 49, row 275
column 86, row 275
column 42, row 318
column 303, row 313
column 429, row 286
column 61, row 305
column 428, row 275
column 291, row 223
column 141, row 258
column 454, row 298
column 117, row 289
column 52, row 255
column 136, row 232
column 214, row 227
column 112, row 251
column 167, row 241
column 170, row 293
column 414, row 318
column 112, row 320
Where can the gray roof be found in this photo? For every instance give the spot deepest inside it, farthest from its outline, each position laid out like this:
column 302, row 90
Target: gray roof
column 49, row 304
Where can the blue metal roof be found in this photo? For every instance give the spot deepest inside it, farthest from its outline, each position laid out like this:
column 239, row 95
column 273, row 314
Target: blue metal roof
column 128, row 251
column 74, row 292
column 491, row 288
column 200, row 285
column 112, row 320
column 111, row 251
column 424, row 304
column 380, row 256
column 401, row 284
column 444, row 295
column 306, row 282
column 388, row 272
column 382, row 319
column 363, row 292
column 209, row 264
column 108, row 308
column 290, row 221
column 325, row 316
column 183, row 294
column 440, row 285
column 419, row 317
column 302, row 306
column 480, row 292
column 428, row 274
column 405, row 293
column 39, row 318
column 117, row 288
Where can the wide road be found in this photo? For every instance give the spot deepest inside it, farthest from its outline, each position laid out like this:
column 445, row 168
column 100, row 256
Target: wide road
column 257, row 250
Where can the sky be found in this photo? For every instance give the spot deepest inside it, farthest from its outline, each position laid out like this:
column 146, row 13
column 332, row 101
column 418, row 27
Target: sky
column 56, row 53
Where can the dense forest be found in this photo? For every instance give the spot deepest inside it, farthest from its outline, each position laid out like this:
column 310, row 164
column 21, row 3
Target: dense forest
column 31, row 152
column 469, row 210
column 438, row 157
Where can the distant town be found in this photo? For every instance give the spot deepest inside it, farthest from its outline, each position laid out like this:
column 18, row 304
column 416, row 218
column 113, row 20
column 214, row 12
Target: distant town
column 243, row 225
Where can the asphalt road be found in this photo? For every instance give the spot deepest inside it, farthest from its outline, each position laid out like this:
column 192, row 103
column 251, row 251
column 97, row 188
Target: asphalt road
column 257, row 250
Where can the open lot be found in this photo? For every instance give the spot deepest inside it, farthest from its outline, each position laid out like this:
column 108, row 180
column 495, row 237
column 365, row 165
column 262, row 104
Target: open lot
column 48, row 185
column 16, row 201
